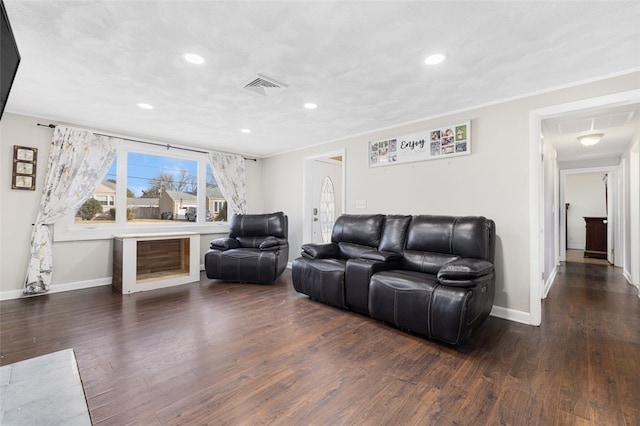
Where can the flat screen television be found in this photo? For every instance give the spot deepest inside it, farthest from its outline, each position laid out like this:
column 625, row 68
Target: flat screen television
column 9, row 58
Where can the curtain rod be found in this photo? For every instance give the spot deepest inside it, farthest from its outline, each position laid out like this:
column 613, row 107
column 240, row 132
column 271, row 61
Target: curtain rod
column 168, row 146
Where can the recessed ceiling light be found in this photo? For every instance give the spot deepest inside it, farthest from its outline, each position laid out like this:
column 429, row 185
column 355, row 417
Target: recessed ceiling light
column 193, row 58
column 245, row 130
column 145, row 106
column 310, row 105
column 435, row 59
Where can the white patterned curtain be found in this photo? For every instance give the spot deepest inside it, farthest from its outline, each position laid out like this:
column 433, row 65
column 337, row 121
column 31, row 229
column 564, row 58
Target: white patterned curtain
column 78, row 161
column 228, row 169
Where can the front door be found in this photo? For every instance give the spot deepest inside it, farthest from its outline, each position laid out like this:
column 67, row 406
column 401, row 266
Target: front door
column 326, row 196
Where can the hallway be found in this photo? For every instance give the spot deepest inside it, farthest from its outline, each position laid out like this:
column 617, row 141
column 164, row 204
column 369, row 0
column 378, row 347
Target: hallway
column 578, row 256
column 598, row 312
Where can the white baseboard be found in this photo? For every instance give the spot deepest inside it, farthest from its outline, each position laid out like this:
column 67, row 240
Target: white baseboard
column 549, row 282
column 511, row 315
column 497, row 311
column 10, row 294
column 58, row 288
column 627, row 275
column 575, row 247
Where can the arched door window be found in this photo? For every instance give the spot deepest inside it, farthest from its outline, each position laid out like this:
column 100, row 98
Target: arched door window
column 327, row 209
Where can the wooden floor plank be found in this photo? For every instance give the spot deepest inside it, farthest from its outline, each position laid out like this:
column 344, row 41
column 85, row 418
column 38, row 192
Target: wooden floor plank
column 221, row 353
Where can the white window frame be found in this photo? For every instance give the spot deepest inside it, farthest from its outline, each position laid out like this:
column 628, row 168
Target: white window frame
column 66, row 229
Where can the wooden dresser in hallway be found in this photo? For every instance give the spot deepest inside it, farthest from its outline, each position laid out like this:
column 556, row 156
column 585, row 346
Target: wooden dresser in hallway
column 595, row 237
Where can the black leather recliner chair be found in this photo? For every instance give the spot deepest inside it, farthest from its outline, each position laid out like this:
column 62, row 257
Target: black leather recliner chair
column 256, row 250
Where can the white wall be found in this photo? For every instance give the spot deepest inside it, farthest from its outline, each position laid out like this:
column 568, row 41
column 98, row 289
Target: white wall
column 20, row 206
column 631, row 214
column 77, row 264
column 550, row 212
column 493, row 181
column 585, row 193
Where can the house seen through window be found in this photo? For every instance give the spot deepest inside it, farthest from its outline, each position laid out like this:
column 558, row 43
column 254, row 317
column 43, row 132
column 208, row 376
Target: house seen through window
column 159, row 189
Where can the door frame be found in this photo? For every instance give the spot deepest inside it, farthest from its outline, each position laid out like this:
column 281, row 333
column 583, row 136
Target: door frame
column 613, row 209
column 536, row 187
column 307, row 190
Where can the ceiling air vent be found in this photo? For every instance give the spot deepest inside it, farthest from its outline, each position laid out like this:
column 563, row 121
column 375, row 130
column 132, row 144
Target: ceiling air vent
column 261, row 84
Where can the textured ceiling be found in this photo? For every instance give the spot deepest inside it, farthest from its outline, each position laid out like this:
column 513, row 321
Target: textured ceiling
column 91, row 62
column 618, row 125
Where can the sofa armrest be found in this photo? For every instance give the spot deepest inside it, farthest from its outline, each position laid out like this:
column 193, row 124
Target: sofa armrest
column 381, row 256
column 272, row 243
column 320, row 251
column 465, row 272
column 224, row 244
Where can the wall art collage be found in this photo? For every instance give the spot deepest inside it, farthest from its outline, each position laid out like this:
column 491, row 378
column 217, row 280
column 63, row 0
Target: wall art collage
column 443, row 142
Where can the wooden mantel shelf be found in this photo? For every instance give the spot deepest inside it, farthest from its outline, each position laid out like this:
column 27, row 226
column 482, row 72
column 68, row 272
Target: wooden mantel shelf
column 156, row 235
column 155, row 260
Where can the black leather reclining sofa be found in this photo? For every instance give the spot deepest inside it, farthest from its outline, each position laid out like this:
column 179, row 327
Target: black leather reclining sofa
column 430, row 275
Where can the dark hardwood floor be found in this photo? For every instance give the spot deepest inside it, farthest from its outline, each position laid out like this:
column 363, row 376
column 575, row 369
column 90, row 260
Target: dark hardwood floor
column 220, row 353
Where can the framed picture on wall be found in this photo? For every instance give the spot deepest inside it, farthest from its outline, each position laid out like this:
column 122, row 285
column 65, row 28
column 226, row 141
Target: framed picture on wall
column 24, row 168
column 444, row 142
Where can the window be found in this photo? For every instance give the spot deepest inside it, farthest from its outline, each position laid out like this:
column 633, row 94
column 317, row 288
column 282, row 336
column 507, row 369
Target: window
column 149, row 189
column 216, row 204
column 161, row 189
column 104, row 210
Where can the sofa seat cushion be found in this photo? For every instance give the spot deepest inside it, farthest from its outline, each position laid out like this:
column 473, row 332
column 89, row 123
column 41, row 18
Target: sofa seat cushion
column 406, row 280
column 320, row 279
column 416, row 302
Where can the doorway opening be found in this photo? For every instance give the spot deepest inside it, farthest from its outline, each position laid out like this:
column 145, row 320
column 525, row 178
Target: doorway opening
column 545, row 213
column 590, row 220
column 324, row 194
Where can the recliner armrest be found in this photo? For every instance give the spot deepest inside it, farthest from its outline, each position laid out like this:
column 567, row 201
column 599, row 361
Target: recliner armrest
column 381, row 256
column 224, row 244
column 272, row 243
column 465, row 272
column 320, row 251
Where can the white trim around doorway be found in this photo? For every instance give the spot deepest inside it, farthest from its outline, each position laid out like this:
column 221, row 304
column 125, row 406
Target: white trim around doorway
column 536, row 184
column 614, row 216
column 306, row 183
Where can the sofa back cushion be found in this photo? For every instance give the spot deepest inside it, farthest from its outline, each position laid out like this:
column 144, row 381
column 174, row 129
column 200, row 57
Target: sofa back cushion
column 426, row 262
column 394, row 233
column 258, row 225
column 356, row 234
column 466, row 237
column 364, row 230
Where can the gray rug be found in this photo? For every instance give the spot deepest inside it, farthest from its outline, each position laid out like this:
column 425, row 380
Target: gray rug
column 45, row 390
